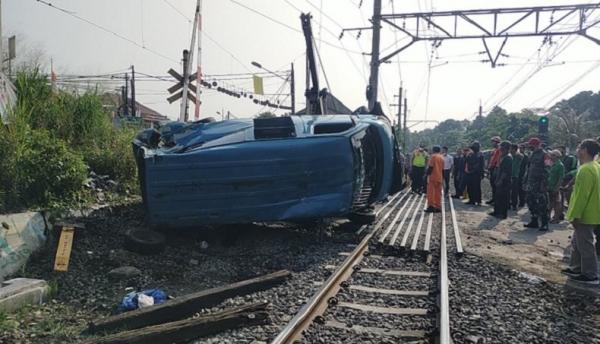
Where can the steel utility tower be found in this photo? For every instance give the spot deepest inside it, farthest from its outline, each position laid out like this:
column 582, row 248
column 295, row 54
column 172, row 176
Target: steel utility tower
column 484, row 24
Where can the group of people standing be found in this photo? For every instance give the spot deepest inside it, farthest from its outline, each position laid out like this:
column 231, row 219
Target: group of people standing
column 529, row 174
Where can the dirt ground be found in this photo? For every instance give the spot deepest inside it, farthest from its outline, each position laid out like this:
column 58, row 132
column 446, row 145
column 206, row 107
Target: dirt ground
column 508, row 242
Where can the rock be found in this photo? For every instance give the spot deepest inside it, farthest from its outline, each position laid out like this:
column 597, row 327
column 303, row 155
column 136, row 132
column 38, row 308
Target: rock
column 474, row 339
column 203, row 245
column 507, row 242
column 18, row 292
column 5, row 225
column 124, row 273
column 194, row 262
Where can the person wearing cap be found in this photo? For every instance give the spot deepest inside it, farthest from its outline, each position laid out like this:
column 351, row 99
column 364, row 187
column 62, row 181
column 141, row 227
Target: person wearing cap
column 474, row 167
column 435, row 174
column 503, row 182
column 493, row 165
column 584, row 216
column 515, row 185
column 536, row 185
column 418, row 163
column 557, row 173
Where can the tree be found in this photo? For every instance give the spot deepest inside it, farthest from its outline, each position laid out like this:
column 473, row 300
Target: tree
column 576, row 118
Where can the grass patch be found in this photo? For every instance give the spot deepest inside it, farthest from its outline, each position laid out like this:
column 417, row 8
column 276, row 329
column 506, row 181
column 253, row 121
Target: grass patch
column 53, row 139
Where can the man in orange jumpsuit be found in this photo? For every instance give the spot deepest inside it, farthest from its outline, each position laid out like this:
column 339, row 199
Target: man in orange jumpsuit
column 435, row 181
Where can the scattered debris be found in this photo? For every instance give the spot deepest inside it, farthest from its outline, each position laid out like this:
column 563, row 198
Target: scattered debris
column 186, row 305
column 138, row 300
column 63, row 251
column 533, row 279
column 474, row 340
column 18, row 292
column 188, row 329
column 124, row 273
column 507, row 242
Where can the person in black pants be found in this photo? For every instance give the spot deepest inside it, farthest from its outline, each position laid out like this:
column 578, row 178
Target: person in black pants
column 503, row 182
column 522, row 173
column 448, row 165
column 516, row 172
column 474, row 173
column 458, row 172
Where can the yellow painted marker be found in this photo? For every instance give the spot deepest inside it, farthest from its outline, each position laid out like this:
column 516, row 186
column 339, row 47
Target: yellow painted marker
column 63, row 252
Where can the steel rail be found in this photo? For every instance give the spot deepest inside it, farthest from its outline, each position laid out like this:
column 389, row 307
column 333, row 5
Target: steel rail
column 428, row 233
column 389, row 228
column 459, row 246
column 411, row 223
column 444, row 299
column 318, row 302
column 415, row 241
column 401, row 225
column 388, row 203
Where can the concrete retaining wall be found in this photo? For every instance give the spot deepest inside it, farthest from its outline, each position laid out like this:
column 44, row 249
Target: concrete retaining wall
column 24, row 235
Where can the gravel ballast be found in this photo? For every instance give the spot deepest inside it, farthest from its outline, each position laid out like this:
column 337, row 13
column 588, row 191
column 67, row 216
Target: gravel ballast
column 490, row 303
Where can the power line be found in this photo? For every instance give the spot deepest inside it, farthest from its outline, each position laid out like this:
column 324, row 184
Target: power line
column 129, row 40
column 177, row 10
column 289, row 26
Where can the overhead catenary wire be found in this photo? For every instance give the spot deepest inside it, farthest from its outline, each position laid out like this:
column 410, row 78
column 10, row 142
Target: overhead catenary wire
column 100, row 27
column 289, row 26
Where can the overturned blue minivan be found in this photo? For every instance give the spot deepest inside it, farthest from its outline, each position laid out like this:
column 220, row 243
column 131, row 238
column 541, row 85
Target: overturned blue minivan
column 262, row 170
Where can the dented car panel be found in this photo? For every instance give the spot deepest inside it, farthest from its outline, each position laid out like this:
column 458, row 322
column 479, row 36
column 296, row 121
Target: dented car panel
column 292, row 168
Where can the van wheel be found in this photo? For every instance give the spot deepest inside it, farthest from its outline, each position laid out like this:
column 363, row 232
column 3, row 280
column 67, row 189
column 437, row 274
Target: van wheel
column 144, row 241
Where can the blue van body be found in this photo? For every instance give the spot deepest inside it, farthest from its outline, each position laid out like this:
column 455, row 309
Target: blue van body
column 262, row 170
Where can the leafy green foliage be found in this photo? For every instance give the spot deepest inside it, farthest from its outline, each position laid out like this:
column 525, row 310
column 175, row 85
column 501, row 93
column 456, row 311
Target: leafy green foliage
column 571, row 120
column 50, row 142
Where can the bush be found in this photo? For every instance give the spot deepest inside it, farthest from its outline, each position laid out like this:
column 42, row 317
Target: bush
column 115, row 158
column 38, row 170
column 51, row 140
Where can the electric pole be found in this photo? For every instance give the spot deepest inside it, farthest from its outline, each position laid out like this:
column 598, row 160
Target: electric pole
column 183, row 114
column 126, row 100
column 199, row 65
column 133, row 104
column 405, row 141
column 374, row 78
column 293, row 89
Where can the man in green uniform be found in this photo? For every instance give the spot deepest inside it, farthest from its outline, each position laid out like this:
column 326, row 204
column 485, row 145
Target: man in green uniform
column 584, row 215
column 515, row 191
column 536, row 185
column 570, row 163
column 557, row 173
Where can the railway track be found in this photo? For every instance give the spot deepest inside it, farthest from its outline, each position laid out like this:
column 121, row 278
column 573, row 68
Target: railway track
column 392, row 287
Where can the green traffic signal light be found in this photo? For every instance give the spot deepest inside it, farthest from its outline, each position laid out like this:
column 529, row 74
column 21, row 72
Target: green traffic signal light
column 543, row 125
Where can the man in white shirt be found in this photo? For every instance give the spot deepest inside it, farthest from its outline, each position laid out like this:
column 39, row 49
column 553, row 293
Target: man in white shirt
column 448, row 165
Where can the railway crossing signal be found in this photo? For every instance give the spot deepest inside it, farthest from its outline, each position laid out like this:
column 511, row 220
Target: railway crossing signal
column 176, row 90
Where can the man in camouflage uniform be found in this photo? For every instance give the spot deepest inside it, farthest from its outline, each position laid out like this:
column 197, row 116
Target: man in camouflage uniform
column 536, row 185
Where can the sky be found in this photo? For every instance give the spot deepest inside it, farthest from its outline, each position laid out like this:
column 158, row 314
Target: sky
column 441, row 83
